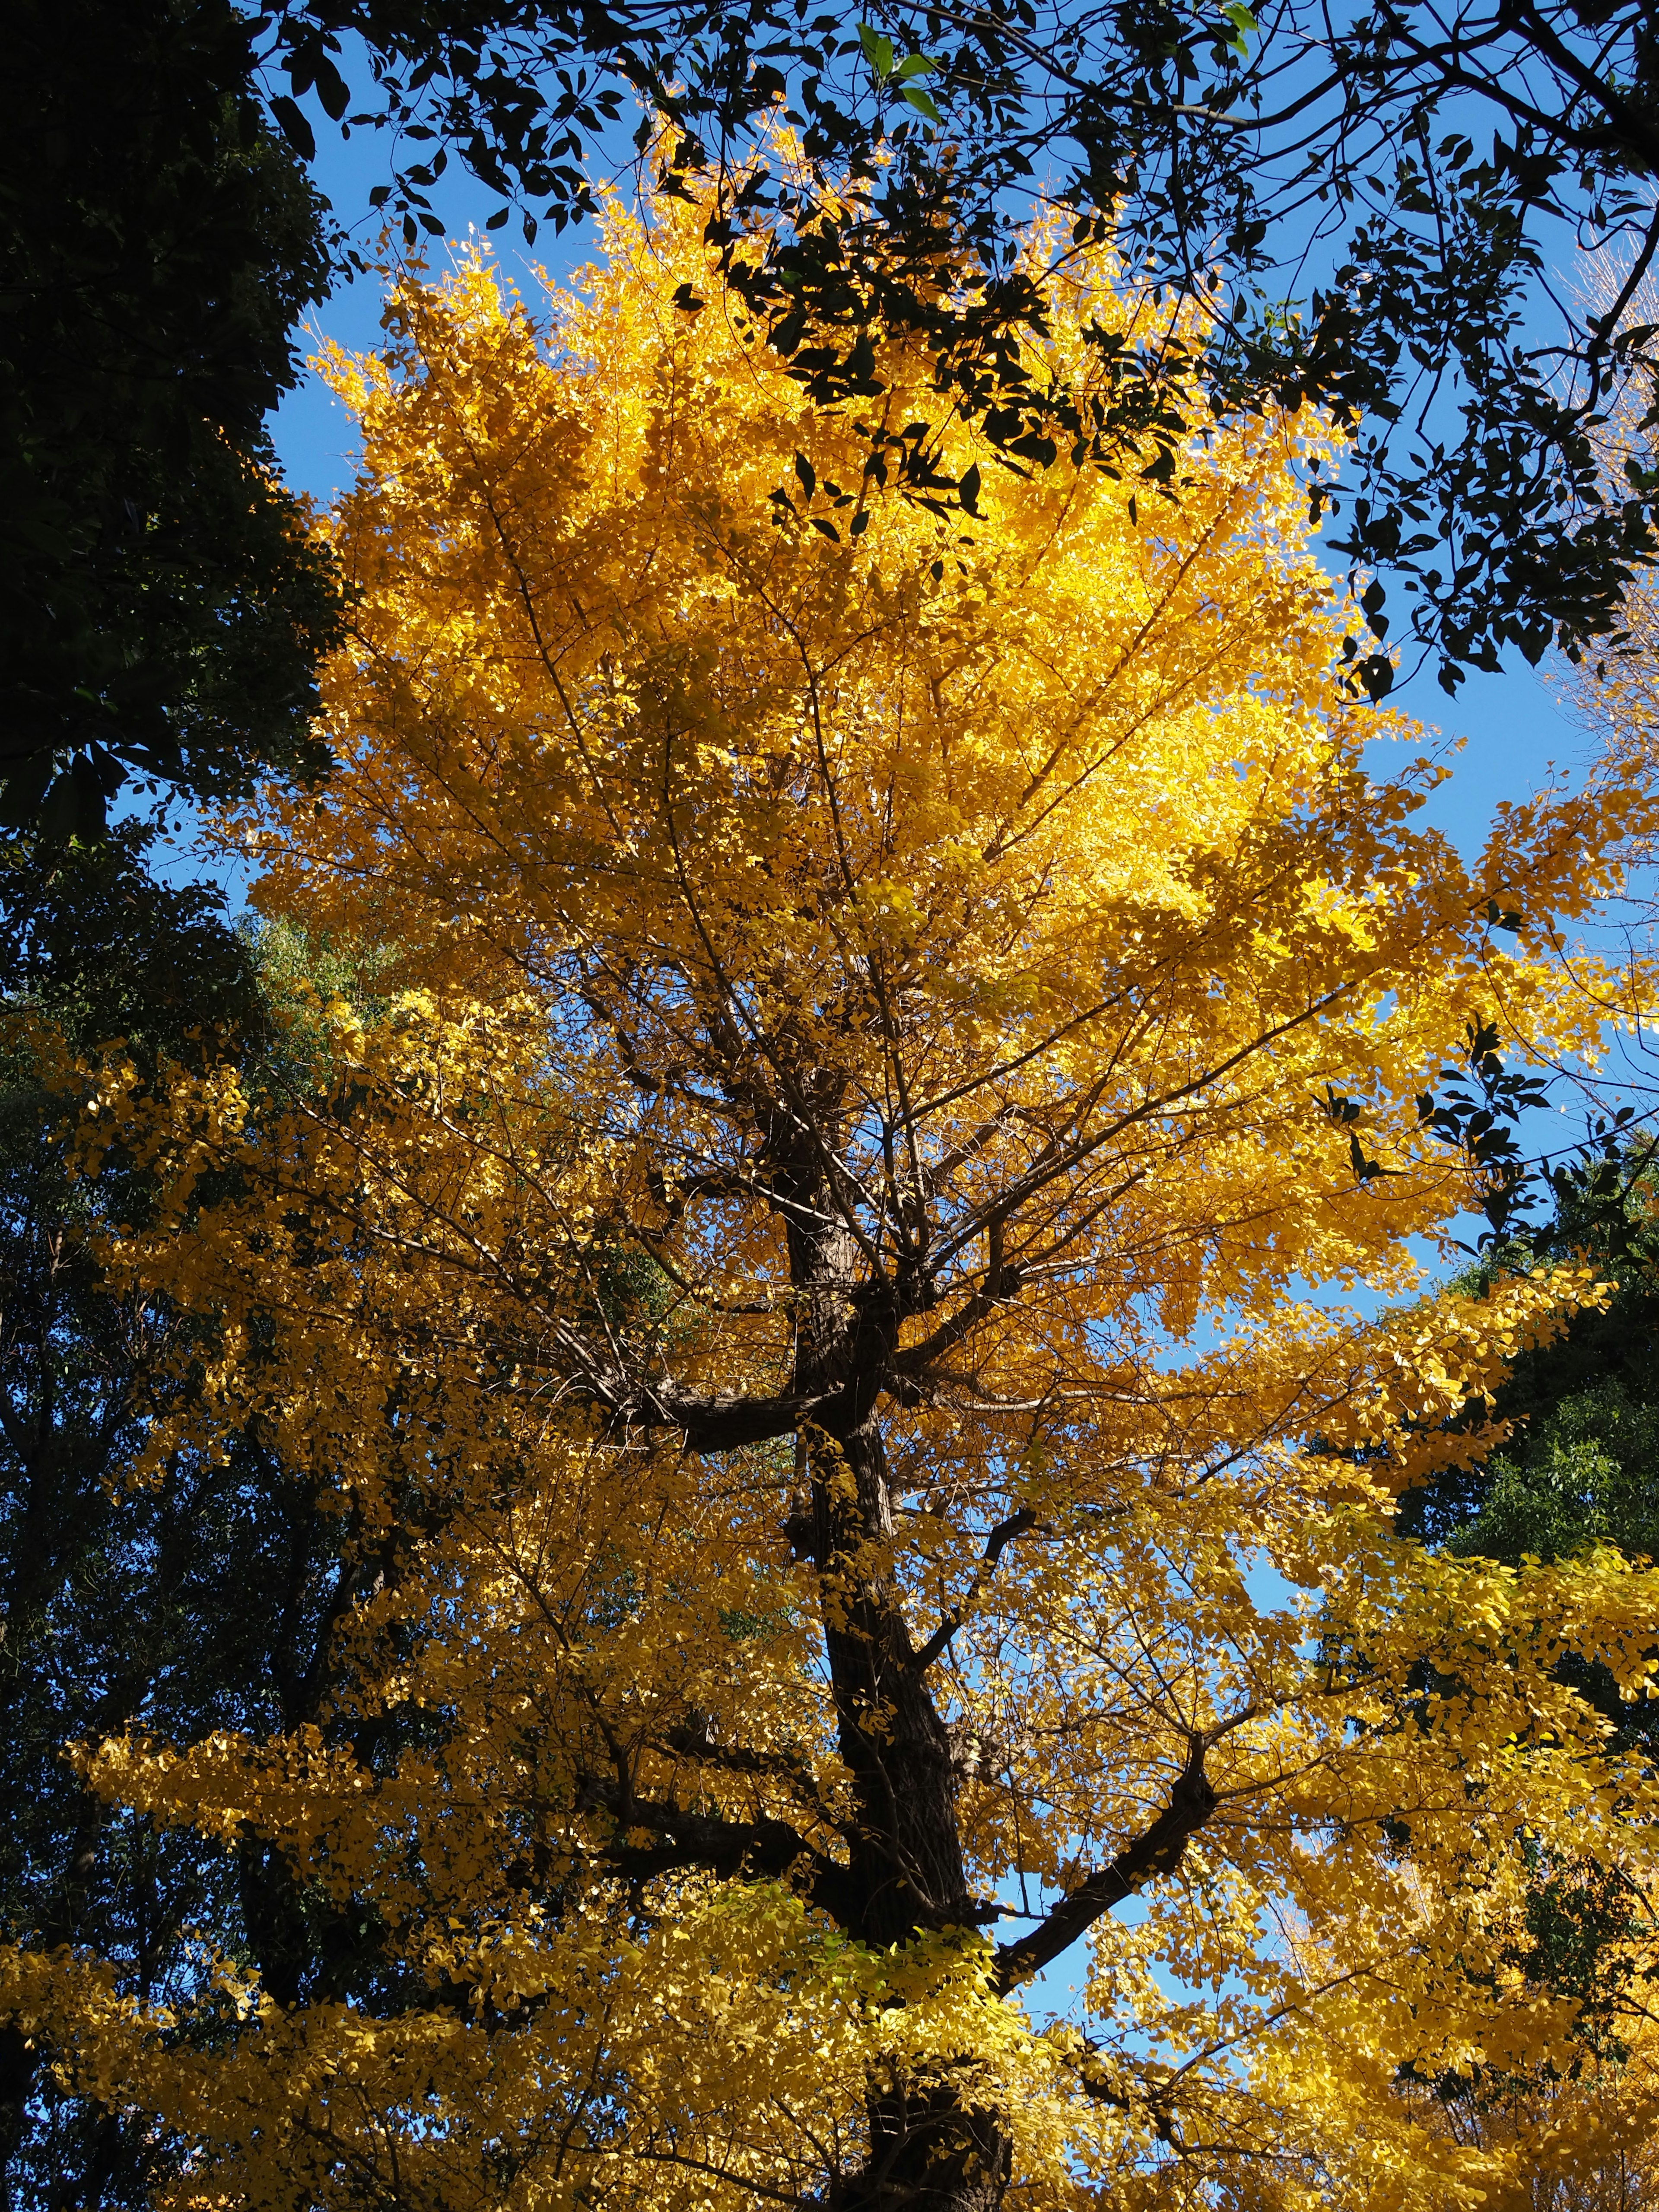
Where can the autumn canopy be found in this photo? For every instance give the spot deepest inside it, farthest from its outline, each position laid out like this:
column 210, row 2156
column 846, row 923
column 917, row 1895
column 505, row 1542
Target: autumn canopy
column 820, row 1266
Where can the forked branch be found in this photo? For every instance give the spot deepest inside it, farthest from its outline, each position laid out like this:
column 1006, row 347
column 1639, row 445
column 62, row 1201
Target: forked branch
column 1158, row 1851
column 1002, row 1535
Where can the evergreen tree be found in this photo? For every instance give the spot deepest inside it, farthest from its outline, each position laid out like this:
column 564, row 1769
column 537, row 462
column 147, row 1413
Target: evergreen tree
column 1581, row 1464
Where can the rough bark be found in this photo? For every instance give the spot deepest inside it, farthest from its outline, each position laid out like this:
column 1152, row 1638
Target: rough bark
column 930, row 2150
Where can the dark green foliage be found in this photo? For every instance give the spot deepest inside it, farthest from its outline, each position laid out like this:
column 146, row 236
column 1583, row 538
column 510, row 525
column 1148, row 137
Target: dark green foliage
column 1582, row 1465
column 1368, row 205
column 1579, row 1922
column 90, row 936
column 1582, row 1472
column 162, row 610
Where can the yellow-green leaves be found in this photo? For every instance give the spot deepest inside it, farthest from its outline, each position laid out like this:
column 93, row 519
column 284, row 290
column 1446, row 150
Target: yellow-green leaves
column 889, row 71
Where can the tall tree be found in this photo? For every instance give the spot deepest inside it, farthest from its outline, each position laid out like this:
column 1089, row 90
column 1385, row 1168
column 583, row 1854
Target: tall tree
column 162, row 607
column 879, row 1017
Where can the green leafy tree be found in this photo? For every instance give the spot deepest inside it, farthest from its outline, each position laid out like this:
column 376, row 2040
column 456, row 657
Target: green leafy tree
column 1581, row 1465
column 161, row 607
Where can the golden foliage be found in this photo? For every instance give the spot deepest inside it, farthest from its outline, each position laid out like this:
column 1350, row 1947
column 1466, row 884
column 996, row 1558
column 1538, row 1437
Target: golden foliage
column 813, row 1286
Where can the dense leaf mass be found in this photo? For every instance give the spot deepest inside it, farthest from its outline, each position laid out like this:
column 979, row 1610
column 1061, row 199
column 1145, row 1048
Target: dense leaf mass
column 1373, row 206
column 1581, row 1462
column 161, row 606
column 787, row 1265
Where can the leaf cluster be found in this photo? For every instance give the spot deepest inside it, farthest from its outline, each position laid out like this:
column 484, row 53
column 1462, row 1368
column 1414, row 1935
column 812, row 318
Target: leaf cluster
column 1361, row 207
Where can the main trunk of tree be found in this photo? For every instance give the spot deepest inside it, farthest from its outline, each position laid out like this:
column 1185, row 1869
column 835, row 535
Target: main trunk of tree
column 930, row 2150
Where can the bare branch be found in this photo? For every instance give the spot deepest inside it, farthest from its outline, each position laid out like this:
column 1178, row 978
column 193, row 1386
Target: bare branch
column 999, row 1538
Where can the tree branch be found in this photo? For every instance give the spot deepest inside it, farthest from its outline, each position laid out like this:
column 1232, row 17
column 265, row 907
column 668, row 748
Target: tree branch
column 1158, row 1851
column 999, row 1538
column 728, row 1848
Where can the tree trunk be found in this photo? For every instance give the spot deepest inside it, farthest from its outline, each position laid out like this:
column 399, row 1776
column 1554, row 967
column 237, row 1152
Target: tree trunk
column 18, row 2063
column 930, row 2151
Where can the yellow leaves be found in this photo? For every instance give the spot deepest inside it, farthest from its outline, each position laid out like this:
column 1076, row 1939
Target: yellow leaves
column 227, row 1785
column 1428, row 1362
column 821, row 1179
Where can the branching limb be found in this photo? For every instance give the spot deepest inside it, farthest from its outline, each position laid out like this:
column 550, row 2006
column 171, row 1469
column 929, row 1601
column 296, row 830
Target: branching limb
column 728, row 1848
column 1158, row 1851
column 999, row 1538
